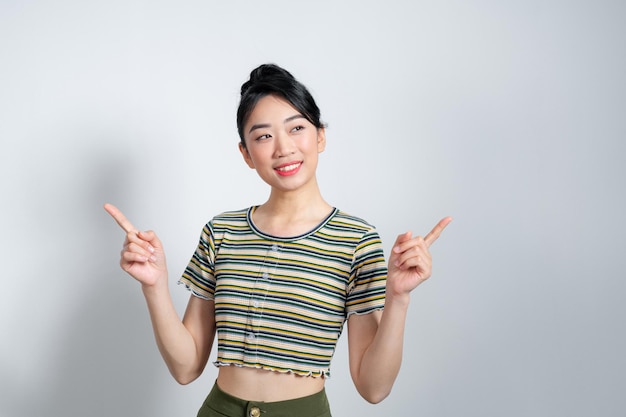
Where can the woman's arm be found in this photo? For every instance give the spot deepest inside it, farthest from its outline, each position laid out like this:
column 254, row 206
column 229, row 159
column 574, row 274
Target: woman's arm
column 375, row 340
column 184, row 345
column 375, row 343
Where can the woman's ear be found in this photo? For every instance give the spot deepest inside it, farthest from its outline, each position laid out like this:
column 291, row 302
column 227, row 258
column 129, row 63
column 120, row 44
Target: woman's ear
column 246, row 155
column 321, row 139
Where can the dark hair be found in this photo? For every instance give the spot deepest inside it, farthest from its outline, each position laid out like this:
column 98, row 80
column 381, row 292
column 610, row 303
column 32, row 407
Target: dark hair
column 270, row 79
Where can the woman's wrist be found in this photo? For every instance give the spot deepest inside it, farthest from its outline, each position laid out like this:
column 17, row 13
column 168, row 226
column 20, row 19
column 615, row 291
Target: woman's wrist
column 159, row 287
column 397, row 300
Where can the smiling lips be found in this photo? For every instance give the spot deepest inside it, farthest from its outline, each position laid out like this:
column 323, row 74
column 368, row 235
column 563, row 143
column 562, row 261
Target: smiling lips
column 290, row 168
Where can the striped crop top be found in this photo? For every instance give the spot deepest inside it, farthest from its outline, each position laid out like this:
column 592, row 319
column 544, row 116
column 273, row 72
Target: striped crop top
column 280, row 303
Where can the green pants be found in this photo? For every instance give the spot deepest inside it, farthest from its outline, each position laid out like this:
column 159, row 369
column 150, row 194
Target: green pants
column 220, row 404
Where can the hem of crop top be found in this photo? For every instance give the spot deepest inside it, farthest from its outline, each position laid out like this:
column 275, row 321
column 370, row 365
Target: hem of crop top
column 317, row 374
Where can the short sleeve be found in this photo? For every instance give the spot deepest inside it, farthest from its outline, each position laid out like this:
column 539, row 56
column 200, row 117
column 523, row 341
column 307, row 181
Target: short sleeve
column 199, row 276
column 366, row 289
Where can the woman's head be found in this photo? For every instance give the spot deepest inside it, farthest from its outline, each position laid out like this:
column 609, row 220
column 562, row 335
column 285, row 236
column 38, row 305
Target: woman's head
column 270, row 79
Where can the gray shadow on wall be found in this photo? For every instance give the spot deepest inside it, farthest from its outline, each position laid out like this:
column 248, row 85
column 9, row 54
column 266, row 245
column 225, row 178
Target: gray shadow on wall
column 106, row 362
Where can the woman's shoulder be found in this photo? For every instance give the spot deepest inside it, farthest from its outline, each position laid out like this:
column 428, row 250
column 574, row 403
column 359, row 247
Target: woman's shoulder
column 231, row 218
column 352, row 222
column 232, row 214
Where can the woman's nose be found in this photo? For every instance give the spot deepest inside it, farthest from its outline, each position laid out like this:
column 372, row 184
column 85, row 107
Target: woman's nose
column 284, row 145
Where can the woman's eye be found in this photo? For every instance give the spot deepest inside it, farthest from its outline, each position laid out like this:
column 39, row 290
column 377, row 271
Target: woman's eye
column 297, row 128
column 266, row 136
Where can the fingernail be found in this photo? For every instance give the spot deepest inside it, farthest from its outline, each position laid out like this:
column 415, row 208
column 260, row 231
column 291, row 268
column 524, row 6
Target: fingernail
column 153, row 258
column 151, row 249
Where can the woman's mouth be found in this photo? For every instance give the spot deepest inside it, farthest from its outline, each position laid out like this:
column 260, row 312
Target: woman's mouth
column 288, row 169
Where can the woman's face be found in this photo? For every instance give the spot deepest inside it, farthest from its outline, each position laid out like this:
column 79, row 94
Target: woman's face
column 282, row 145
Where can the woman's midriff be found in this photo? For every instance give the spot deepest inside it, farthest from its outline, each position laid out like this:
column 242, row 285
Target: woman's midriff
column 260, row 385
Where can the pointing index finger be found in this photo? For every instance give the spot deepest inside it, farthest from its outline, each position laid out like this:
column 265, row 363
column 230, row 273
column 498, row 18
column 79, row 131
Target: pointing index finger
column 433, row 235
column 123, row 222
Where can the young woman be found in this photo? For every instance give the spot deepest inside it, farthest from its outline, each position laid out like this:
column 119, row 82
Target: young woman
column 276, row 282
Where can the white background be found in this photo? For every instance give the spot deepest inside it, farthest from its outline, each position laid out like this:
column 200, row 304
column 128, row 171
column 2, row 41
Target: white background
column 509, row 116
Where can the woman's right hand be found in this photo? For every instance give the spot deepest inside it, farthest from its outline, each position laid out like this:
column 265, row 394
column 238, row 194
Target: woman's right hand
column 142, row 255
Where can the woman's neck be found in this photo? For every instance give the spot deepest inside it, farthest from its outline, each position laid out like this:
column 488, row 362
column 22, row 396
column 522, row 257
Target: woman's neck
column 291, row 214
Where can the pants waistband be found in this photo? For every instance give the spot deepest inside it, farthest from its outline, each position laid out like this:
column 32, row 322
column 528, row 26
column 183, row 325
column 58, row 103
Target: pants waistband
column 315, row 405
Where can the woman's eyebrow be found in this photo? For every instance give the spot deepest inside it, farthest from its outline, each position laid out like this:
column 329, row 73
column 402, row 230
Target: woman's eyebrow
column 266, row 125
column 294, row 117
column 258, row 126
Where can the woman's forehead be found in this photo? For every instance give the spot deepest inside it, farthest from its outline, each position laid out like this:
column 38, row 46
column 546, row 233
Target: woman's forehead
column 272, row 108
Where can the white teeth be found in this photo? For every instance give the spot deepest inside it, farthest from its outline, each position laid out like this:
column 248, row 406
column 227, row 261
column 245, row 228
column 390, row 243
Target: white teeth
column 288, row 167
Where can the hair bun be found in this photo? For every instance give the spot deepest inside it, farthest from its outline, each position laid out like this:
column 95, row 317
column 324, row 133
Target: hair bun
column 263, row 73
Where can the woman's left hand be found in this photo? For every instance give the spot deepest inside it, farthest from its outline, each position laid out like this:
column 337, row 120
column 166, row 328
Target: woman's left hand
column 410, row 262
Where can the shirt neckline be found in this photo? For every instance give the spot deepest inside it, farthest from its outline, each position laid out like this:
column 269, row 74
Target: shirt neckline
column 261, row 233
